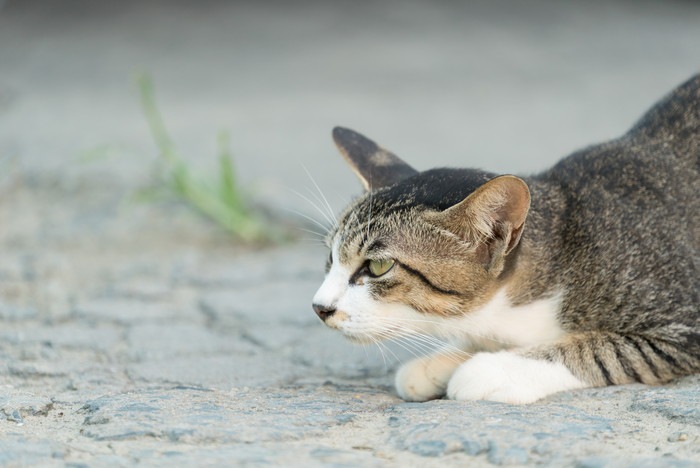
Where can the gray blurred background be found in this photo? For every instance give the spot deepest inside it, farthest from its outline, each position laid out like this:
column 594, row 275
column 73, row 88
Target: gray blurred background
column 505, row 86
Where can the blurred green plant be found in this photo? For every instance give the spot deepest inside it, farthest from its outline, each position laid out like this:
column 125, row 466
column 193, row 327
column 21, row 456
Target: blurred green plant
column 218, row 197
column 101, row 153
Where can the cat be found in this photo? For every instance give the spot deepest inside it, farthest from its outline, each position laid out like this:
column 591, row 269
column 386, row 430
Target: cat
column 585, row 275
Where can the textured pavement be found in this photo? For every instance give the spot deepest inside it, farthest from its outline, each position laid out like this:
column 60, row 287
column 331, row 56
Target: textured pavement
column 136, row 333
column 149, row 338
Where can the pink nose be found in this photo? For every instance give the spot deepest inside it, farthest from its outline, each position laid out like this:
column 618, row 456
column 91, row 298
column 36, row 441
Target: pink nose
column 322, row 311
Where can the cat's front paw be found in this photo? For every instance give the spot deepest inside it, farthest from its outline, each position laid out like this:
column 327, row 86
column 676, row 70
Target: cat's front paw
column 425, row 378
column 509, row 378
column 414, row 384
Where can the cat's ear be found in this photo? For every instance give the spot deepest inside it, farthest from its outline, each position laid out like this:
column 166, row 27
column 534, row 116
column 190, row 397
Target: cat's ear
column 375, row 166
column 491, row 218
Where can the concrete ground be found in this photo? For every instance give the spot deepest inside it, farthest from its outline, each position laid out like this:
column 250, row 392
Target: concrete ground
column 142, row 334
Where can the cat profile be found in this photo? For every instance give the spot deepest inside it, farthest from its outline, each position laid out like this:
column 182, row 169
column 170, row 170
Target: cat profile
column 585, row 275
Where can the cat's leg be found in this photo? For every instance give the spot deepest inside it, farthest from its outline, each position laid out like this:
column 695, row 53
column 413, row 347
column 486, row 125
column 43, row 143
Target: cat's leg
column 591, row 359
column 426, row 378
column 510, row 377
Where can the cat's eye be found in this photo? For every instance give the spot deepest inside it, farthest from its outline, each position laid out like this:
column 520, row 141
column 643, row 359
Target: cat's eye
column 380, row 267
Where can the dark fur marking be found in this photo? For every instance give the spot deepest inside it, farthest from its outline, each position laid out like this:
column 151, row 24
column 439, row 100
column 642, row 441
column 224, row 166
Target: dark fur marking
column 385, row 286
column 662, row 354
column 363, row 241
column 378, row 167
column 427, row 282
column 611, row 225
column 374, row 246
column 436, row 189
column 329, row 262
column 650, row 364
column 627, row 366
column 603, row 370
column 359, row 273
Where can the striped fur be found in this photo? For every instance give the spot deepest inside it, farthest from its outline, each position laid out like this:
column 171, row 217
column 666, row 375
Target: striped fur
column 602, row 251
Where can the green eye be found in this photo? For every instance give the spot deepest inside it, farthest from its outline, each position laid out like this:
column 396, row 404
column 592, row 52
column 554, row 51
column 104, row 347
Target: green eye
column 380, row 267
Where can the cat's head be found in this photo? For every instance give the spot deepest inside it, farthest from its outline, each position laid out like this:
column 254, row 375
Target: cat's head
column 416, row 246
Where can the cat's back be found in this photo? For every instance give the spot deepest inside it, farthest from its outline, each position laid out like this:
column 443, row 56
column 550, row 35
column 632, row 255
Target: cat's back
column 630, row 225
column 652, row 173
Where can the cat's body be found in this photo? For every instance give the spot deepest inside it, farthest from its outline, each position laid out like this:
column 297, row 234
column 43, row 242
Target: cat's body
column 585, row 275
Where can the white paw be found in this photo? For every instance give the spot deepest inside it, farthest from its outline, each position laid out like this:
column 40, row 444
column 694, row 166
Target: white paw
column 424, row 379
column 509, row 378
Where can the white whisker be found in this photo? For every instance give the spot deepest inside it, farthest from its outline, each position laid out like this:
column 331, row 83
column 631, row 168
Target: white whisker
column 316, row 207
column 411, row 350
column 381, row 351
column 324, row 205
column 320, row 235
column 464, row 331
column 436, row 346
column 369, row 216
column 315, row 221
column 325, row 200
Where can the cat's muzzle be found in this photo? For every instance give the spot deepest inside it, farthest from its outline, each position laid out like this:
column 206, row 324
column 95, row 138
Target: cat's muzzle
column 323, row 311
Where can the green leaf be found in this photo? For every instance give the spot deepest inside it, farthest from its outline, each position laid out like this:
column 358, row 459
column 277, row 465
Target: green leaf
column 219, row 198
column 229, row 190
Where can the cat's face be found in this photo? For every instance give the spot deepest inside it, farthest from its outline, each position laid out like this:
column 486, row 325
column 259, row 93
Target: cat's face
column 395, row 271
column 415, row 248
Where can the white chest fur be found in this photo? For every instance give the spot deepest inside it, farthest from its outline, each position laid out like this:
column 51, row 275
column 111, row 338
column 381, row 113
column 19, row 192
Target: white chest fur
column 498, row 320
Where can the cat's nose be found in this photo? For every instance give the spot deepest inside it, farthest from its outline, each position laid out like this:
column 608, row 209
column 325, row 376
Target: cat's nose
column 323, row 311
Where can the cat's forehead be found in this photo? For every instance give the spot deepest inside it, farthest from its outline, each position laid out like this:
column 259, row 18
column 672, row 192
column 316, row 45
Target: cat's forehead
column 391, row 217
column 381, row 211
column 366, row 226
column 436, row 189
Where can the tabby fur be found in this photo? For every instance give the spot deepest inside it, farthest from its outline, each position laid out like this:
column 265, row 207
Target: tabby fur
column 587, row 274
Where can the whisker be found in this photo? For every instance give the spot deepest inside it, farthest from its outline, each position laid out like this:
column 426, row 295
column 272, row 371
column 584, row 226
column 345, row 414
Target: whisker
column 402, row 331
column 321, row 235
column 320, row 200
column 421, row 350
column 437, row 346
column 364, row 347
column 417, row 344
column 316, row 207
column 402, row 345
column 328, row 205
column 315, row 221
column 407, row 333
column 381, row 351
column 369, row 215
column 414, row 342
column 409, row 350
column 388, row 349
column 453, row 328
